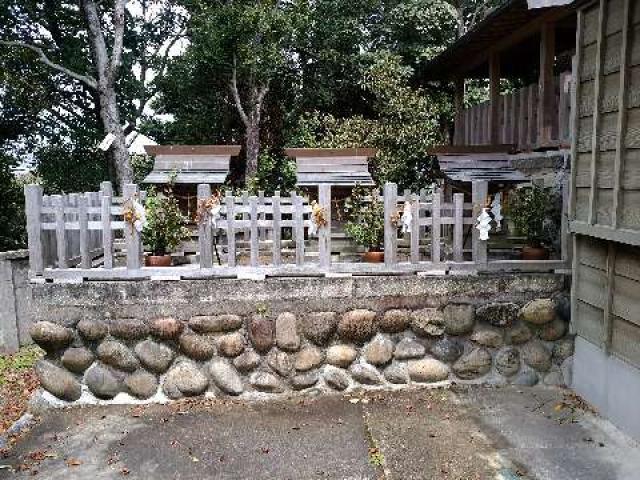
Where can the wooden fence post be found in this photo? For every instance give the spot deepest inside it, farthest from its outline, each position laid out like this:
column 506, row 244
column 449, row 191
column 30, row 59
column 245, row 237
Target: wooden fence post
column 277, row 230
column 390, row 231
column 61, row 234
column 107, row 189
column 231, row 230
column 83, row 222
column 415, row 229
column 33, row 208
column 255, row 240
column 436, row 227
column 324, row 233
column 132, row 237
column 245, row 215
column 458, row 227
column 261, row 215
column 205, row 233
column 480, row 190
column 298, row 220
column 107, row 234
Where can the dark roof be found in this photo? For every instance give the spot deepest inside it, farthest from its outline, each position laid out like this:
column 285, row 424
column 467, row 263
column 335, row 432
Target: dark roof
column 470, row 53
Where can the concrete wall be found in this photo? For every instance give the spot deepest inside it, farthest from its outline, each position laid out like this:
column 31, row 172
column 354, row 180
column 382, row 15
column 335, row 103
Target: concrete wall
column 156, row 339
column 15, row 300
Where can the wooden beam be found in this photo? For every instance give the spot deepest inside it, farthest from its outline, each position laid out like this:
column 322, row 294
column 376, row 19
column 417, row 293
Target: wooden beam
column 546, row 84
column 575, row 113
column 470, row 149
column 622, row 114
column 597, row 97
column 494, row 99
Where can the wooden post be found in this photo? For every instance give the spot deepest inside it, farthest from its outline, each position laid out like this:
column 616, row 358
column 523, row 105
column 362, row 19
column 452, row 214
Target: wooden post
column 133, row 239
column 415, row 229
column 532, row 113
column 261, row 216
column 107, row 189
column 255, row 241
column 479, row 194
column 390, row 231
column 205, row 233
column 277, row 230
column 575, row 119
column 546, row 92
column 61, row 233
column 83, row 222
column 107, row 234
column 324, row 233
column 458, row 101
column 494, row 93
column 73, row 236
column 436, row 228
column 298, row 219
column 231, row 230
column 245, row 215
column 33, row 210
column 523, row 108
column 458, row 227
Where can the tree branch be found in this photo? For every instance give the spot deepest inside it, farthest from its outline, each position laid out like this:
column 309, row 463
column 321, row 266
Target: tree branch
column 99, row 47
column 236, row 94
column 86, row 79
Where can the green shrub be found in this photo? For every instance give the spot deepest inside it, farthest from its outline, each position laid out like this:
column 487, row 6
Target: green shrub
column 12, row 232
column 166, row 227
column 365, row 218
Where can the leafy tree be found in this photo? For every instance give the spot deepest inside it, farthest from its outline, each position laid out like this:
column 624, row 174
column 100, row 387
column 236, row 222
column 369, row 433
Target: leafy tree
column 12, row 233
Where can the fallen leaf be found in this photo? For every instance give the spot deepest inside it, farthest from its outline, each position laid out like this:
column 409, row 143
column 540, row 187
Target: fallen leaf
column 73, row 462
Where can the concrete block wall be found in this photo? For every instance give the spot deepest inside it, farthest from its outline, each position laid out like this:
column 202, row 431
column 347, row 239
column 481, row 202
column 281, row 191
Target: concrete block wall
column 15, row 301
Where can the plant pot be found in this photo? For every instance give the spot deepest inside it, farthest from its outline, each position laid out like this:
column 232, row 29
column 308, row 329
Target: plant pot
column 534, row 253
column 158, row 260
column 373, row 257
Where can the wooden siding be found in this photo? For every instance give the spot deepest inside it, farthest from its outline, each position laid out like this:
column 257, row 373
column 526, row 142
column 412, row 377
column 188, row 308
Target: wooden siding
column 606, row 142
column 607, row 296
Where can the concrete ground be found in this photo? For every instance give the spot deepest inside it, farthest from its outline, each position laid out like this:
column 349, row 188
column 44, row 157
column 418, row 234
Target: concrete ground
column 463, row 433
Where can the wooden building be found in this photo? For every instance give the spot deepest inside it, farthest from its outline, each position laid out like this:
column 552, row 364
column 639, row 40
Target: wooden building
column 525, row 55
column 605, row 209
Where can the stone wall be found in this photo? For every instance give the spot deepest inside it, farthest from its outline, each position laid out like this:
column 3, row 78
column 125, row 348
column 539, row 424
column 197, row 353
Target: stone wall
column 153, row 340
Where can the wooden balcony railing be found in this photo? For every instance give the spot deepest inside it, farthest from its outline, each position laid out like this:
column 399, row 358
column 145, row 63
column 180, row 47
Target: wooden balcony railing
column 519, row 121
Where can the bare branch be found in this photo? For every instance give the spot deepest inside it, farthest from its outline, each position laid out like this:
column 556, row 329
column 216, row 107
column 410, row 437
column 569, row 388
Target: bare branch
column 236, row 94
column 86, row 79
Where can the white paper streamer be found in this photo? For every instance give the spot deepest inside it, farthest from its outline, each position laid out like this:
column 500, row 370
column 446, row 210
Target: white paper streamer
column 496, row 210
column 214, row 215
column 407, row 218
column 484, row 224
column 140, row 215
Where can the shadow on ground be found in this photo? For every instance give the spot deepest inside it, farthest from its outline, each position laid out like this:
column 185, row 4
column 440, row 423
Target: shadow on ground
column 462, row 433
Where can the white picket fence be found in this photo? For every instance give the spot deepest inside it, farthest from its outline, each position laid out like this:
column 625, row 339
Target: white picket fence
column 79, row 237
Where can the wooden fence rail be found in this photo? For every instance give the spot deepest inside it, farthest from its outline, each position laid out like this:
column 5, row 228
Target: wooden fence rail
column 81, row 236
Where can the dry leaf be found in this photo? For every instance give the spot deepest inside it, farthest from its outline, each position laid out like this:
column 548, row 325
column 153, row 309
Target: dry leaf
column 73, row 462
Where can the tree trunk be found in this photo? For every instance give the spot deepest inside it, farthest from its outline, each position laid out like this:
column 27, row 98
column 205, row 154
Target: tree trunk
column 252, row 147
column 111, row 119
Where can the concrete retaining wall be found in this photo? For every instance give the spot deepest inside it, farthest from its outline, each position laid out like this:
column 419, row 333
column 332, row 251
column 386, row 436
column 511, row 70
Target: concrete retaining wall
column 152, row 340
column 15, row 300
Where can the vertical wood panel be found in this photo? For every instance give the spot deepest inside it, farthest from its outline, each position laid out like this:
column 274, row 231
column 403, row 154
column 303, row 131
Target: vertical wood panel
column 493, row 136
column 607, row 330
column 575, row 113
column 83, row 222
column 107, row 234
column 595, row 146
column 436, row 228
column 622, row 114
column 132, row 236
column 230, row 202
column 277, row 231
column 205, row 234
column 546, row 101
column 298, row 217
column 255, row 240
column 33, row 210
column 415, row 229
column 324, row 233
column 61, row 233
column 458, row 227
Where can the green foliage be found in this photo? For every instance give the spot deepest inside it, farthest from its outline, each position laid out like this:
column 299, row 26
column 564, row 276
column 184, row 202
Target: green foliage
column 12, row 233
column 166, row 226
column 365, row 218
column 67, row 168
column 535, row 211
column 142, row 166
column 275, row 172
column 406, row 125
column 25, row 359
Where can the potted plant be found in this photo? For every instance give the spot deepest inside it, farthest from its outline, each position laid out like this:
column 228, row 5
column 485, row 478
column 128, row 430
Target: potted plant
column 165, row 228
column 535, row 213
column 365, row 222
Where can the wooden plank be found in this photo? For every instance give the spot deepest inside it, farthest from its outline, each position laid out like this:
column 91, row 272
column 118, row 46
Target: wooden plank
column 390, row 232
column 107, row 234
column 458, row 227
column 61, row 234
column 106, row 188
column 231, row 230
column 621, row 130
column 574, row 285
column 33, row 207
column 565, row 243
column 133, row 239
column 262, row 232
column 298, row 219
column 73, row 237
column 523, row 97
column 245, row 216
column 277, row 231
column 575, row 114
column 479, row 193
column 255, row 240
column 324, row 233
column 532, row 110
column 547, row 106
column 436, row 227
column 607, row 330
column 415, row 229
column 205, row 233
column 595, row 146
column 83, row 220
column 493, row 123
